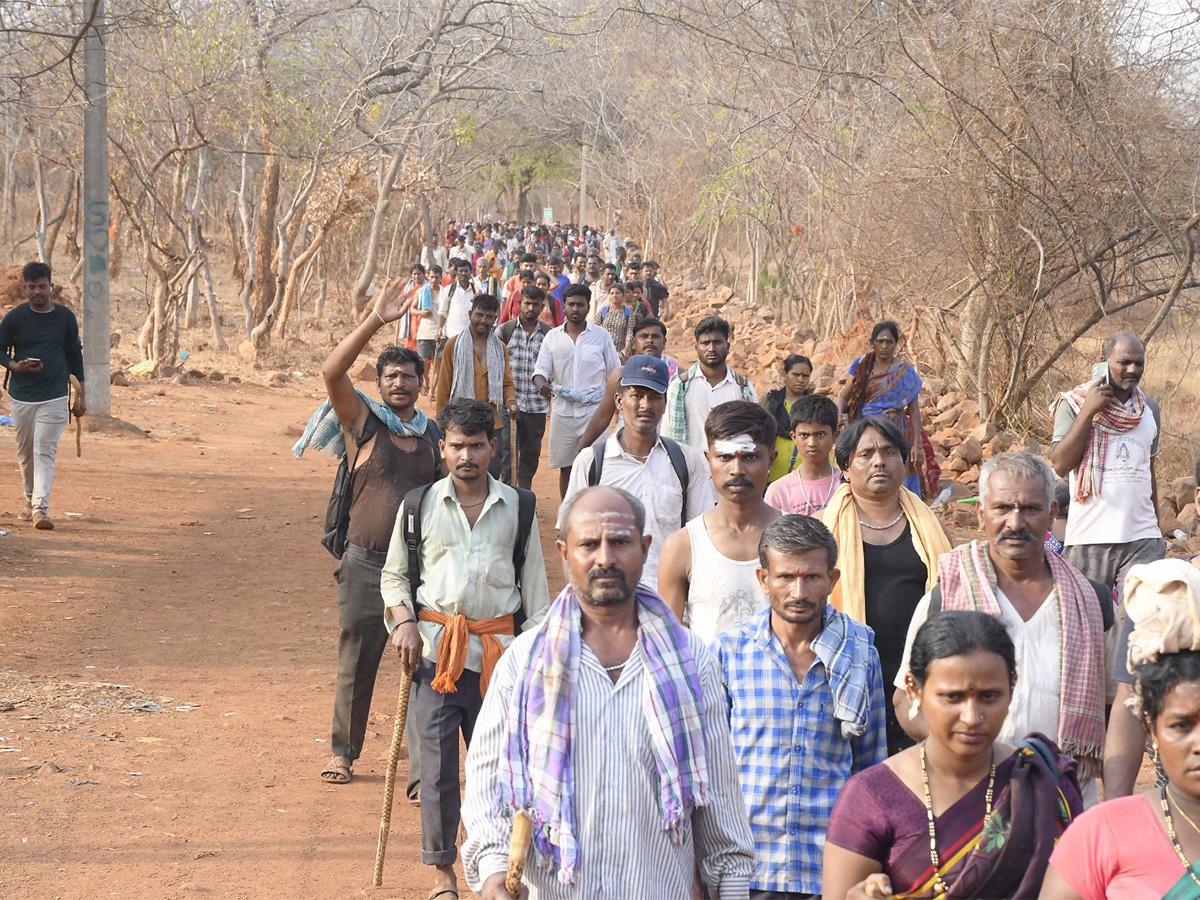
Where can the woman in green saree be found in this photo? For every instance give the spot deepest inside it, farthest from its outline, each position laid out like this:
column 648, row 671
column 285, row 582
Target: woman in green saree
column 1146, row 846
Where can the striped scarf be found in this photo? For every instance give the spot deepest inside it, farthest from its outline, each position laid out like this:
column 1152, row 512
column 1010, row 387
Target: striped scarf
column 969, row 583
column 463, row 384
column 536, row 765
column 1114, row 418
column 675, row 418
column 324, row 429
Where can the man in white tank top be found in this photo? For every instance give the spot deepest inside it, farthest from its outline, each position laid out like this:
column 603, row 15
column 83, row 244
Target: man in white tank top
column 707, row 570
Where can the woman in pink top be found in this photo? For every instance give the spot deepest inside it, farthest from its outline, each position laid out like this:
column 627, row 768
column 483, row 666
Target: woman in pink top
column 1147, row 845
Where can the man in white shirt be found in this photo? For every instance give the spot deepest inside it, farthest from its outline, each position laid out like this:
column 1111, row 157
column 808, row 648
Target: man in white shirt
column 710, row 382
column 455, row 303
column 1053, row 614
column 475, row 583
column 573, row 367
column 1106, row 437
column 636, row 459
column 631, row 797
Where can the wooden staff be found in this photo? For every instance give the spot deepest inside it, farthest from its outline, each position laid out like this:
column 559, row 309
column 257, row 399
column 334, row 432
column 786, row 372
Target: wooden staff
column 74, row 404
column 512, row 450
column 518, row 851
column 389, row 781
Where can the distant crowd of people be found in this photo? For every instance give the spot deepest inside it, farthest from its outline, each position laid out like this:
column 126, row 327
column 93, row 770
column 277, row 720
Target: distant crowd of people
column 770, row 672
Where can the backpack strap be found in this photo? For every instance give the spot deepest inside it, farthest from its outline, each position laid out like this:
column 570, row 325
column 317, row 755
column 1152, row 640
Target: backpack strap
column 679, row 464
column 597, row 467
column 739, row 379
column 506, row 330
column 411, row 529
column 935, row 600
column 526, row 513
column 674, row 453
column 1104, row 596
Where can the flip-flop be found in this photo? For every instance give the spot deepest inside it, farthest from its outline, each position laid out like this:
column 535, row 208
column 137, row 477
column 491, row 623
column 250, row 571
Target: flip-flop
column 443, row 891
column 337, row 771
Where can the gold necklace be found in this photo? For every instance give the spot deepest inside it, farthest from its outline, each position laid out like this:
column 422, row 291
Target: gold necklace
column 1179, row 806
column 1166, row 808
column 939, row 886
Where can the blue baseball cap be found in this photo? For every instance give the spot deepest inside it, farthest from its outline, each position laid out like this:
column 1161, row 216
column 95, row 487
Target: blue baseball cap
column 646, row 371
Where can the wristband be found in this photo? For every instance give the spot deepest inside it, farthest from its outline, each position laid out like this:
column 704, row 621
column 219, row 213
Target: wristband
column 405, row 622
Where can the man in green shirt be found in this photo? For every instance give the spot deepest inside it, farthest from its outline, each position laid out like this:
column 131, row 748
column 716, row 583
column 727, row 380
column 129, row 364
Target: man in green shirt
column 40, row 349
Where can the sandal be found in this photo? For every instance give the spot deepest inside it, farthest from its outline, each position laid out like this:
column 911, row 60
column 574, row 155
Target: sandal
column 444, row 892
column 337, row 771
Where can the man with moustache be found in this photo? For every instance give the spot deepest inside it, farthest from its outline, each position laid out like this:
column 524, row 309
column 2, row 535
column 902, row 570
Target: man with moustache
column 707, row 572
column 649, row 339
column 573, row 367
column 393, row 448
column 705, row 385
column 1054, row 615
column 608, row 723
column 523, row 337
column 671, row 480
column 467, row 604
column 1106, row 435
column 804, row 690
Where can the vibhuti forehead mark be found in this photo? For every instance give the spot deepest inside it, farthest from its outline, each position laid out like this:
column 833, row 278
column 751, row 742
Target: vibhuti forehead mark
column 739, row 443
column 615, row 523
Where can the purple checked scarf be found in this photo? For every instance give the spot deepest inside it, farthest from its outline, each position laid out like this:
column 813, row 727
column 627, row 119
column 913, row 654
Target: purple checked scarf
column 535, row 765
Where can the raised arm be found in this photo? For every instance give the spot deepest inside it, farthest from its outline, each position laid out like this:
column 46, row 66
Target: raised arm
column 1067, row 453
column 389, row 306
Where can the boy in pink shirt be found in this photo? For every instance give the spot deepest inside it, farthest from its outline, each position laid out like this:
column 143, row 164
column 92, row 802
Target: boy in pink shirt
column 806, row 490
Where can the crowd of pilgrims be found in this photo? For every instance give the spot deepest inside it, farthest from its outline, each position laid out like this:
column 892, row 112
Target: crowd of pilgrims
column 942, row 732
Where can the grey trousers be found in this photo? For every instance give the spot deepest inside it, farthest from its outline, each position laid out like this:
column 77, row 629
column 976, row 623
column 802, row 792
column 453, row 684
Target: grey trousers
column 531, row 428
column 440, row 718
column 39, row 427
column 1109, row 564
column 361, row 643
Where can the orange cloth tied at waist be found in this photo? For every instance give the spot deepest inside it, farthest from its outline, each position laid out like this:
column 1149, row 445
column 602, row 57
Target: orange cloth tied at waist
column 452, row 648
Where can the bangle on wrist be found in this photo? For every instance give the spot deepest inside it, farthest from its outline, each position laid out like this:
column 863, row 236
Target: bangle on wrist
column 405, row 622
column 378, row 316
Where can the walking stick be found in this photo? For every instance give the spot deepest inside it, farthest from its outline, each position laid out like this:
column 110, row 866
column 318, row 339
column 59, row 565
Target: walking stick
column 74, row 405
column 389, row 781
column 512, row 450
column 518, row 850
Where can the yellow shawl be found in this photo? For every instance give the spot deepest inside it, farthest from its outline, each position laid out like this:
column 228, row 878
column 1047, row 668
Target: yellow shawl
column 841, row 518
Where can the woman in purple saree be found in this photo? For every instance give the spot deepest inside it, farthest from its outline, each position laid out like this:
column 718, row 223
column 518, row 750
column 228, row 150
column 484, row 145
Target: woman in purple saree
column 958, row 816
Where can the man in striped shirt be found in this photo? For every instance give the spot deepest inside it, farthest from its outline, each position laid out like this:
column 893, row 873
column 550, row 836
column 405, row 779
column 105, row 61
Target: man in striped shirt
column 608, row 724
column 805, row 704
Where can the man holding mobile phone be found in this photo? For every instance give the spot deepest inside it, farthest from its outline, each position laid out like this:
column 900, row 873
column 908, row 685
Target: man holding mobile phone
column 40, row 349
column 1106, row 435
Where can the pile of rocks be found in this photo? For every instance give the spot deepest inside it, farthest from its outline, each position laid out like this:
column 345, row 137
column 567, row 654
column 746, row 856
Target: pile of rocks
column 1177, row 506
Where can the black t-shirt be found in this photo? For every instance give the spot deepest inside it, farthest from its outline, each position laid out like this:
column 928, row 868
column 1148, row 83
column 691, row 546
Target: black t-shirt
column 894, row 582
column 52, row 337
column 655, row 293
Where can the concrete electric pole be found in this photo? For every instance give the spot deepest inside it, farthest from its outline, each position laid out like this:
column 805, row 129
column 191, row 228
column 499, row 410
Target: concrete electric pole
column 97, row 354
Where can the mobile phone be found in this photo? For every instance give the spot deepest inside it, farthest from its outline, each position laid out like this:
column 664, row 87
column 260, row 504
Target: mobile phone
column 1100, row 370
column 32, row 359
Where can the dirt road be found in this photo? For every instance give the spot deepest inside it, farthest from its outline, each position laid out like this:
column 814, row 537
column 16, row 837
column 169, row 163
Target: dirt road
column 167, row 666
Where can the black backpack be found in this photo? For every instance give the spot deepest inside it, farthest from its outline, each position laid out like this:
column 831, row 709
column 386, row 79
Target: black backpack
column 526, row 511
column 337, row 513
column 678, row 463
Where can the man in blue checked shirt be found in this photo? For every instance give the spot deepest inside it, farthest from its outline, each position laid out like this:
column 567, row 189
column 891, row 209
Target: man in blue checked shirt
column 806, row 711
